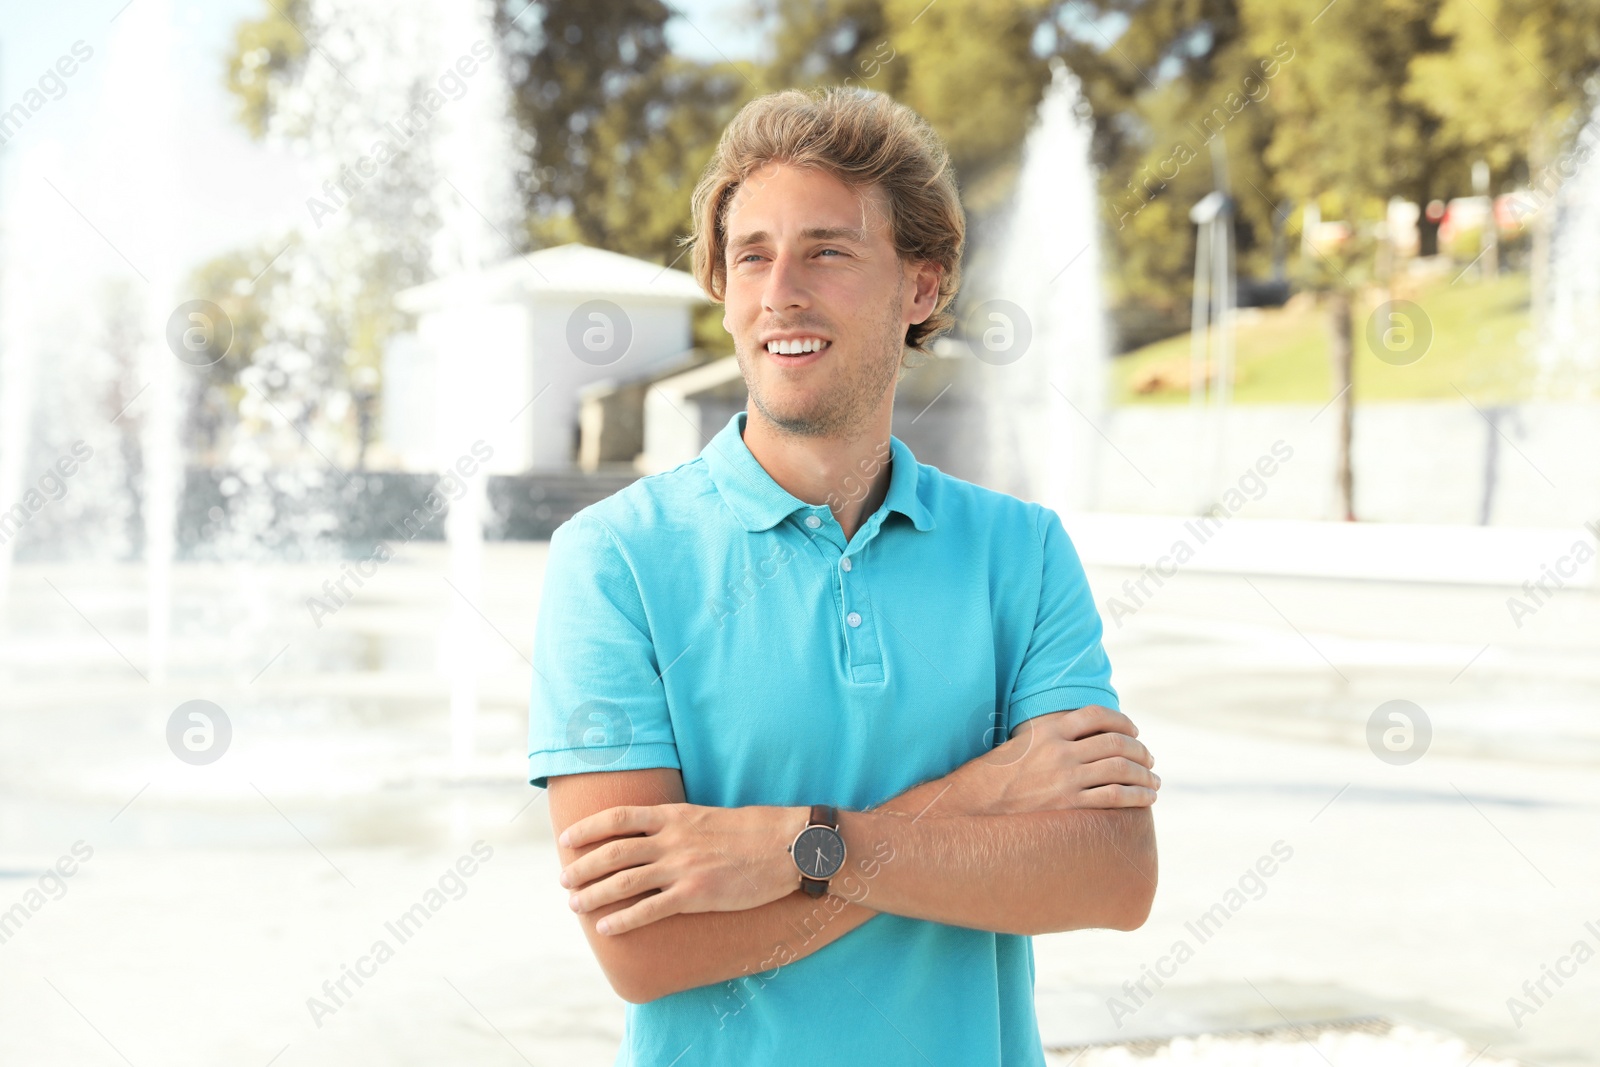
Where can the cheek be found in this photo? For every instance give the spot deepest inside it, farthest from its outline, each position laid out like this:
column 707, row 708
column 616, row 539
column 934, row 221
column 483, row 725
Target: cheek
column 738, row 306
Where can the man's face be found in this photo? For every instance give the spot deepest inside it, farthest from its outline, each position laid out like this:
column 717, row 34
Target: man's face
column 811, row 259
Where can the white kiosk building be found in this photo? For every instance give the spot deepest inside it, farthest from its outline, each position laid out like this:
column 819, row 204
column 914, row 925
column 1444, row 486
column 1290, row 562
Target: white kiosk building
column 504, row 354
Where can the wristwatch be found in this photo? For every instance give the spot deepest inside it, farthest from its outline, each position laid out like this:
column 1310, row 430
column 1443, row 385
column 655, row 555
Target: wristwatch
column 818, row 850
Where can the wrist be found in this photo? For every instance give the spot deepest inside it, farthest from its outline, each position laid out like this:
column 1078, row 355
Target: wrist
column 787, row 823
column 961, row 792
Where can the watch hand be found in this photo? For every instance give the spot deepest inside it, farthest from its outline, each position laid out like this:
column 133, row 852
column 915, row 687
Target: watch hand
column 821, row 861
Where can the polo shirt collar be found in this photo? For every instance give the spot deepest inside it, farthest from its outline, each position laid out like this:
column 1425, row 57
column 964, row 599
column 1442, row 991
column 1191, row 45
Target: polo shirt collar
column 759, row 503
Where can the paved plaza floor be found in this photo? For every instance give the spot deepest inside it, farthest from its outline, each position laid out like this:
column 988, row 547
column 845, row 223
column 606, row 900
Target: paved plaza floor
column 1418, row 905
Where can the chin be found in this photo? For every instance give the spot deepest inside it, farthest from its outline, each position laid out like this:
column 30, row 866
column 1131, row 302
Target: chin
column 797, row 418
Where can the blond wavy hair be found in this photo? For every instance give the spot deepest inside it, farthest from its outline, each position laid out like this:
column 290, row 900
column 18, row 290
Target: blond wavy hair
column 864, row 139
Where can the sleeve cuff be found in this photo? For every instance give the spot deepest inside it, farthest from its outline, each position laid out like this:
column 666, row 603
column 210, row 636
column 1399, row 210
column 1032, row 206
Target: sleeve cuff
column 542, row 766
column 1064, row 698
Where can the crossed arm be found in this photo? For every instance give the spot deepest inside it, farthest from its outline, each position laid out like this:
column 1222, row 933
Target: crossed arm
column 1049, row 831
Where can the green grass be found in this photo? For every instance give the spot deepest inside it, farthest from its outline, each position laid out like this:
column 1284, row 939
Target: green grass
column 1481, row 345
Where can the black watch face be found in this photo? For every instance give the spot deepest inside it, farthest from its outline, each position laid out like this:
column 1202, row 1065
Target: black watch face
column 819, row 852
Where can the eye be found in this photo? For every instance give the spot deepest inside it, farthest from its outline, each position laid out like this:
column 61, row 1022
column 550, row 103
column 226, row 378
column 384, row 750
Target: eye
column 835, row 251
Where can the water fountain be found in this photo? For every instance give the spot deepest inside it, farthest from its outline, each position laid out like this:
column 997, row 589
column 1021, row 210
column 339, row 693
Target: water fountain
column 431, row 89
column 85, row 309
column 153, row 183
column 1045, row 407
column 17, row 370
column 477, row 206
column 445, row 199
column 1569, row 342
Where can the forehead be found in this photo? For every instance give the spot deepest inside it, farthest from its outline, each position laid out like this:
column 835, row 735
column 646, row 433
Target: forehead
column 779, row 196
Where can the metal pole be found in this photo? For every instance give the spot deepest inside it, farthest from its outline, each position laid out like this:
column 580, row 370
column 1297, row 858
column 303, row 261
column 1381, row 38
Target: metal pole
column 1197, row 316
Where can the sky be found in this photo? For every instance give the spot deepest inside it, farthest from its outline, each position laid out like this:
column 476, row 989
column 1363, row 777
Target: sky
column 235, row 192
column 232, row 189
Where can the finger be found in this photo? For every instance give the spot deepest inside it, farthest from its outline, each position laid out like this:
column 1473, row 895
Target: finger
column 612, row 822
column 1118, row 770
column 1094, row 719
column 1105, row 746
column 612, row 856
column 1116, row 796
column 651, row 908
column 619, row 886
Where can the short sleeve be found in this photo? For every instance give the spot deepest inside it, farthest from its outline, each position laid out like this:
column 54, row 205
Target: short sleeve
column 1065, row 666
column 598, row 703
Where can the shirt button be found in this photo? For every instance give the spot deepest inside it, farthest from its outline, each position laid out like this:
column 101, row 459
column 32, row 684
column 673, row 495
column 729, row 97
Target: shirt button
column 854, row 619
column 844, row 564
column 813, row 522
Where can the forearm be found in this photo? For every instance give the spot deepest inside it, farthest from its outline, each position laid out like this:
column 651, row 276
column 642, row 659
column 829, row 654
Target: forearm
column 1012, row 841
column 1024, row 873
column 686, row 951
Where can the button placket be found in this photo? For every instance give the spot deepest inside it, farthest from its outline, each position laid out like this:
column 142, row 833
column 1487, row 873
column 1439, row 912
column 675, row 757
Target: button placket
column 862, row 649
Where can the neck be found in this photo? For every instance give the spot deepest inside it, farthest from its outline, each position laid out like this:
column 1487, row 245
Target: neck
column 849, row 474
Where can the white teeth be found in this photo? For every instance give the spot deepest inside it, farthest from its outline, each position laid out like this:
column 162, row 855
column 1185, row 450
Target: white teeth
column 795, row 348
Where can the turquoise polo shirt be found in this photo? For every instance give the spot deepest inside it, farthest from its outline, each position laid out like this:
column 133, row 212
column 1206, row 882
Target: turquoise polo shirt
column 705, row 619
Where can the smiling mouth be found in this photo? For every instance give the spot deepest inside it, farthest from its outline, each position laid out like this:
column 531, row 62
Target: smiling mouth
column 803, row 346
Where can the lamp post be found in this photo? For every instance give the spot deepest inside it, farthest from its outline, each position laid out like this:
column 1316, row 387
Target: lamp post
column 1211, row 328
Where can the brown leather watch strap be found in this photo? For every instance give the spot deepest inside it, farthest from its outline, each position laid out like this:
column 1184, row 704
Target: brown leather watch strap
column 821, row 815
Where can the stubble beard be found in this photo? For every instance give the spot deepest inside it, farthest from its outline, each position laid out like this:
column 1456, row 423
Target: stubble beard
column 856, row 391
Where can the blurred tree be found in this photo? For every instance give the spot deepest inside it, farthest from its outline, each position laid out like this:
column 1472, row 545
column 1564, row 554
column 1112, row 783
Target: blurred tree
column 1171, row 82
column 1486, row 88
column 313, row 314
column 618, row 127
column 1348, row 136
column 227, row 282
column 264, row 51
column 975, row 69
column 1340, row 106
column 972, row 69
column 1507, row 91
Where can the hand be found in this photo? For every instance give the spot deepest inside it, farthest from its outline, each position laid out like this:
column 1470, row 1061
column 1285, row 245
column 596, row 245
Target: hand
column 696, row 858
column 1086, row 758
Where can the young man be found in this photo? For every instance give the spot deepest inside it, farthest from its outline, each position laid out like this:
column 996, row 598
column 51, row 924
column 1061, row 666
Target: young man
column 829, row 733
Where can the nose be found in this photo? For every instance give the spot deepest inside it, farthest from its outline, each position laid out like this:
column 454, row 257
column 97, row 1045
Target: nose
column 785, row 288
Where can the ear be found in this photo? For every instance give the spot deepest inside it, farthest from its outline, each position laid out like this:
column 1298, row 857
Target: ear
column 924, row 295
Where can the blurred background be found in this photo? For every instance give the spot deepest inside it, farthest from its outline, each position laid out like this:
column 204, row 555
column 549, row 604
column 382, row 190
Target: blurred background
column 318, row 316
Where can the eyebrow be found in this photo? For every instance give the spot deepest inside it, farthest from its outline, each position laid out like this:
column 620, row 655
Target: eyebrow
column 814, row 233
